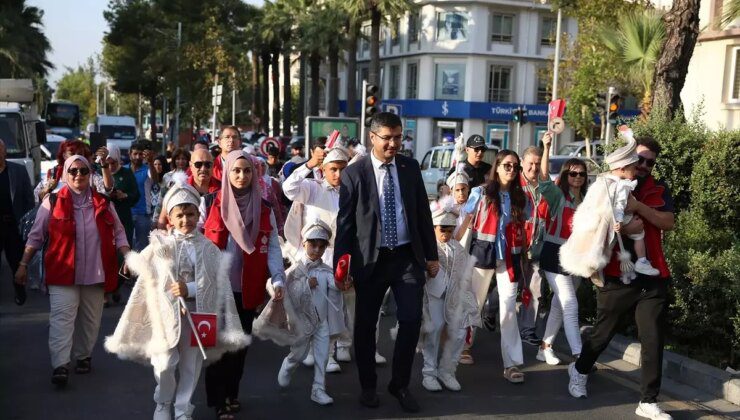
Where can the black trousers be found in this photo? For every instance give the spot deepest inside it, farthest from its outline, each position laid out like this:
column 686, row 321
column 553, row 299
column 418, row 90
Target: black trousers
column 648, row 297
column 223, row 377
column 398, row 270
column 10, row 242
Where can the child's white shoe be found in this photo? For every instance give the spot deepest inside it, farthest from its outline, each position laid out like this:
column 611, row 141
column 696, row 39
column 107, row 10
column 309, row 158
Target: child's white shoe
column 332, row 366
column 548, row 356
column 343, row 354
column 643, row 266
column 652, row 411
column 320, row 397
column 309, row 360
column 449, row 381
column 284, row 374
column 431, row 384
column 163, row 411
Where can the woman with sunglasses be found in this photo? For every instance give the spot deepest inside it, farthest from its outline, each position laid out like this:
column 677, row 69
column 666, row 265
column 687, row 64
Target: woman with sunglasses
column 180, row 160
column 563, row 197
column 498, row 210
column 83, row 232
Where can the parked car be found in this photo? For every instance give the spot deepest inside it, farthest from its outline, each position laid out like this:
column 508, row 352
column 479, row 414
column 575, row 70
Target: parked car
column 578, row 149
column 556, row 164
column 438, row 161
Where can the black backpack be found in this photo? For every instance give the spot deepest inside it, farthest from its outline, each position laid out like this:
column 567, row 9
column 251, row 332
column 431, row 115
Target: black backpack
column 26, row 223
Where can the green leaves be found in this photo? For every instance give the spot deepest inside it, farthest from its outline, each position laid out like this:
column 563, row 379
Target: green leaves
column 23, row 45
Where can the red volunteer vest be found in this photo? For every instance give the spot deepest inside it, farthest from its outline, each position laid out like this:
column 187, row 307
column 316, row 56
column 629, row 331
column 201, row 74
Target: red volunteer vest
column 650, row 194
column 559, row 226
column 254, row 265
column 218, row 169
column 59, row 260
column 486, row 229
column 539, row 209
column 213, row 184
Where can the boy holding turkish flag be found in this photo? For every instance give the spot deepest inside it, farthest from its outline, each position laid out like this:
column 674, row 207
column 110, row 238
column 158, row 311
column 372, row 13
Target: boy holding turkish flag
column 181, row 274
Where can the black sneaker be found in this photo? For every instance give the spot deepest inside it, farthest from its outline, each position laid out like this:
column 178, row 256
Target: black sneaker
column 20, row 294
column 60, row 376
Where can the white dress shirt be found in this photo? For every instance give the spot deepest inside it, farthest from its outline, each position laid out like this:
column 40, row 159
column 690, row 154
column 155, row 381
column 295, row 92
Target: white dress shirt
column 402, row 231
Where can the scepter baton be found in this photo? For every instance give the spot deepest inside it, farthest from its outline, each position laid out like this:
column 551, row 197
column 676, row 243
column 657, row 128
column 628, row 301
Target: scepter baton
column 192, row 326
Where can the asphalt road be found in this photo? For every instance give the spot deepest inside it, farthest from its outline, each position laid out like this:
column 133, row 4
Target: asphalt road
column 123, row 390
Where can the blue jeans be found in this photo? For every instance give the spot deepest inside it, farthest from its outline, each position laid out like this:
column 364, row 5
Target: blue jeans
column 142, row 227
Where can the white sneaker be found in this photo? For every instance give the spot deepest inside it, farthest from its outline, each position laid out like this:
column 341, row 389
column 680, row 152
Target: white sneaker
column 449, row 382
column 284, row 374
column 343, row 354
column 309, row 360
column 577, row 384
column 162, row 411
column 431, row 384
column 651, row 411
column 644, row 267
column 332, row 366
column 320, row 397
column 379, row 360
column 548, row 356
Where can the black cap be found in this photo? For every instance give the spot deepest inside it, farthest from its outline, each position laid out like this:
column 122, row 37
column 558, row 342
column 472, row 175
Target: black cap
column 476, row 141
column 297, row 145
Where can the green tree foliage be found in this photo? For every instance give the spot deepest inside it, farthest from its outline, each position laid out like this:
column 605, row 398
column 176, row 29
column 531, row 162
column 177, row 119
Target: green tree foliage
column 78, row 86
column 23, row 45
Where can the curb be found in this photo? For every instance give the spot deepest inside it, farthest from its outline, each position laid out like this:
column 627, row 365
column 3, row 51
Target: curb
column 682, row 369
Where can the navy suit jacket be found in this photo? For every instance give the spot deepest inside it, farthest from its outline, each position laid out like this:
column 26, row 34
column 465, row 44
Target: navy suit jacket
column 21, row 192
column 359, row 223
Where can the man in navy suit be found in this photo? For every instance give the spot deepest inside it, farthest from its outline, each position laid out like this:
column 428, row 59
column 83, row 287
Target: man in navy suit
column 385, row 223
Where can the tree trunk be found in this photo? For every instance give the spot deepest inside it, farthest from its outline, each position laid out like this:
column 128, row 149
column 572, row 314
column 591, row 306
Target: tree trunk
column 287, row 98
column 256, row 91
column 265, row 58
column 682, row 30
column 333, row 92
column 301, row 116
column 314, row 62
column 153, row 119
column 374, row 74
column 276, row 93
column 352, row 70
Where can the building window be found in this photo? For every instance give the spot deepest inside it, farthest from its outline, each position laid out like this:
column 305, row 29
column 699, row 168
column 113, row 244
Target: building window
column 543, row 89
column 412, row 71
column 499, row 84
column 395, row 32
column 413, row 30
column 450, row 81
column 452, row 26
column 548, row 30
column 395, row 81
column 365, row 39
column 735, row 97
column 502, row 27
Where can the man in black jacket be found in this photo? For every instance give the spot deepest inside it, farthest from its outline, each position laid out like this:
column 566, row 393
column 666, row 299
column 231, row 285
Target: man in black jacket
column 385, row 224
column 476, row 169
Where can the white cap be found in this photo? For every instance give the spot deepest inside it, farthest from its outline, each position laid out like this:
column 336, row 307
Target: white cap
column 336, row 154
column 626, row 154
column 317, row 229
column 180, row 193
column 458, row 177
column 444, row 212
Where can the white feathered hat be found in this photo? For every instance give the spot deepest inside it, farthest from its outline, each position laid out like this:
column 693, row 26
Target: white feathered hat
column 444, row 212
column 180, row 193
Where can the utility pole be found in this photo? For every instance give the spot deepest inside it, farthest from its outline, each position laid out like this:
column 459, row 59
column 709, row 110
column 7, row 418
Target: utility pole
column 97, row 98
column 217, row 91
column 177, row 89
column 105, row 100
column 555, row 72
column 233, row 99
column 610, row 93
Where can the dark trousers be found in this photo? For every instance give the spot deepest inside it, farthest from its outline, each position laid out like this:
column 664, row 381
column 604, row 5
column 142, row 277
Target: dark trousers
column 648, row 297
column 223, row 377
column 11, row 243
column 398, row 270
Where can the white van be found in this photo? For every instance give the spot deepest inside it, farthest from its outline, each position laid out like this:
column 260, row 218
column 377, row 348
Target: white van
column 117, row 130
column 437, row 163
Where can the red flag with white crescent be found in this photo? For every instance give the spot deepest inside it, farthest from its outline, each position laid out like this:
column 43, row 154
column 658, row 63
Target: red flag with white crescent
column 341, row 274
column 206, row 326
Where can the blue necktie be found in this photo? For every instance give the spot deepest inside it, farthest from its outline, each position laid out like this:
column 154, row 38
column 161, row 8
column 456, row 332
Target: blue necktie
column 389, row 208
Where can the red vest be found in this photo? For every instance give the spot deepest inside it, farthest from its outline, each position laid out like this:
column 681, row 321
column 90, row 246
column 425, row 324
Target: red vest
column 213, row 184
column 559, row 226
column 650, row 194
column 59, row 259
column 254, row 265
column 486, row 229
column 539, row 209
column 218, row 168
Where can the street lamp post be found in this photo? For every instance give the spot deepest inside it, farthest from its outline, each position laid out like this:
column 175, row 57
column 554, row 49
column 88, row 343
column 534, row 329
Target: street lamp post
column 555, row 70
column 177, row 90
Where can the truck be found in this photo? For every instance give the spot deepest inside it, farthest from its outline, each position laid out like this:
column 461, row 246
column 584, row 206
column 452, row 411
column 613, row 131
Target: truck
column 21, row 128
column 116, row 130
column 63, row 119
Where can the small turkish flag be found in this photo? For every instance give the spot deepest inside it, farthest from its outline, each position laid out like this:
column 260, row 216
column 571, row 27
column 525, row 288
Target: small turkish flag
column 332, row 140
column 526, row 297
column 341, row 274
column 206, row 326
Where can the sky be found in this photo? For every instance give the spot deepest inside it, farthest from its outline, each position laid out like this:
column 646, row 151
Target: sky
column 75, row 29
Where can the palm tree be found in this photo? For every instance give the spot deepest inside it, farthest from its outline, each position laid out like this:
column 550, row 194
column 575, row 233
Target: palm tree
column 732, row 12
column 637, row 41
column 23, row 45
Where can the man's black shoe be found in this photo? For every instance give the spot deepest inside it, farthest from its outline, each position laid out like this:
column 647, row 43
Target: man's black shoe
column 60, row 376
column 369, row 398
column 408, row 402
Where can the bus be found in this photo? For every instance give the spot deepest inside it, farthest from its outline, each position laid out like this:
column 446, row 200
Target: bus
column 63, row 118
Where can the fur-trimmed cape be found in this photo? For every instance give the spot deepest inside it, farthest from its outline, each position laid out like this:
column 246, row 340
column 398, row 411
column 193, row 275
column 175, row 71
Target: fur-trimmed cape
column 150, row 324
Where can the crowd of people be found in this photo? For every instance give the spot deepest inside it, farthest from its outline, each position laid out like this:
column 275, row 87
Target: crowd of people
column 305, row 252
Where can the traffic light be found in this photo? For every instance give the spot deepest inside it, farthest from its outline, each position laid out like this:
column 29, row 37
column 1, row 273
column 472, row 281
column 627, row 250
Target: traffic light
column 520, row 115
column 601, row 103
column 614, row 108
column 370, row 103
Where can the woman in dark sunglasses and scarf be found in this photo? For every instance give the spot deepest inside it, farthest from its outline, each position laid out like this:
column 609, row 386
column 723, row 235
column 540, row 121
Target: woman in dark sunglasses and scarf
column 84, row 233
column 563, row 197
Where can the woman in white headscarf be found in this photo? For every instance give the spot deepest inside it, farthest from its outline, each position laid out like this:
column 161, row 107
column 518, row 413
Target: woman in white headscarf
column 83, row 232
column 238, row 220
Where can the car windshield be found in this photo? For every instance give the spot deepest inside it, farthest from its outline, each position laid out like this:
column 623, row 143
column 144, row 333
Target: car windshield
column 63, row 115
column 123, row 132
column 10, row 131
column 569, row 149
column 555, row 165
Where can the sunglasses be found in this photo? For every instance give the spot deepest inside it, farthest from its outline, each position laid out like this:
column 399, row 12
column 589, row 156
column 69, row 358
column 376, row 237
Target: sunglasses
column 203, row 163
column 81, row 171
column 574, row 174
column 648, row 162
column 508, row 167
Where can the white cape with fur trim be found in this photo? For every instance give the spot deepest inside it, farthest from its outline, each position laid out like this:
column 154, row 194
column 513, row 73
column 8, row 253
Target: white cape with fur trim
column 589, row 247
column 150, row 323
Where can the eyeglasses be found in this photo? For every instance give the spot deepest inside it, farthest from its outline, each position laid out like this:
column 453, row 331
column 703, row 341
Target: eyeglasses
column 203, row 163
column 574, row 174
column 648, row 162
column 508, row 167
column 396, row 139
column 81, row 171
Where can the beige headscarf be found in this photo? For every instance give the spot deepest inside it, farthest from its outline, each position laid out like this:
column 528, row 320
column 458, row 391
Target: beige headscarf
column 241, row 210
column 67, row 163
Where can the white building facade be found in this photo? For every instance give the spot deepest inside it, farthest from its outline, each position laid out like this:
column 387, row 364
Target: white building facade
column 465, row 66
